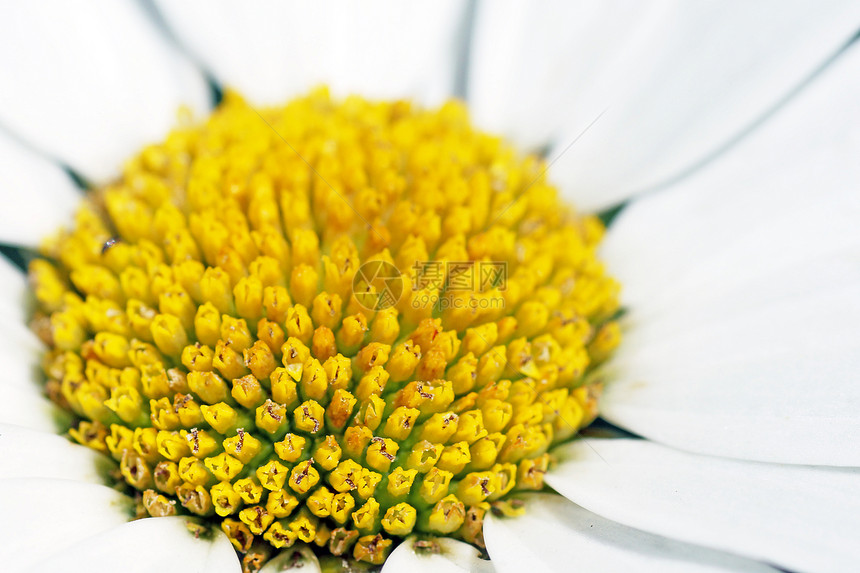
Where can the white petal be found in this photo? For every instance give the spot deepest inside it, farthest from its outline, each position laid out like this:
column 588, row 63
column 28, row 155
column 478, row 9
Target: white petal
column 37, row 196
column 676, row 80
column 298, row 558
column 27, row 407
column 801, row 518
column 13, row 292
column 24, row 403
column 42, row 516
column 452, row 556
column 90, row 83
column 23, row 400
column 528, row 60
column 742, row 283
column 556, row 535
column 19, row 347
column 273, row 50
column 162, row 544
column 29, row 453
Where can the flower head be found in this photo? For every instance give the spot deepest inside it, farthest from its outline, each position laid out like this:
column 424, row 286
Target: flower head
column 219, row 323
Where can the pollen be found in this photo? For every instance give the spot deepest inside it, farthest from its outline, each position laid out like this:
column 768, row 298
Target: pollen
column 335, row 321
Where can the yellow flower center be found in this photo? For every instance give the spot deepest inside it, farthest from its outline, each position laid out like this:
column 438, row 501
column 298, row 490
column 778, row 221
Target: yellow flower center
column 334, row 322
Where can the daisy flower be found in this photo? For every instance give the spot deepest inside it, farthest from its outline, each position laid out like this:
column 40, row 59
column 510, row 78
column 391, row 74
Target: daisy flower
column 272, row 404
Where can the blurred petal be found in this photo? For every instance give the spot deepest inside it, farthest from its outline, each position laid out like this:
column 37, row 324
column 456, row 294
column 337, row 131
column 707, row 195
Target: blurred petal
column 162, row 544
column 27, row 407
column 801, row 518
column 20, row 351
column 90, row 82
column 38, row 197
column 272, row 50
column 299, row 558
column 23, row 402
column 675, row 79
column 18, row 342
column 43, row 516
column 556, row 535
column 449, row 555
column 529, row 59
column 29, row 453
column 742, row 285
column 13, row 292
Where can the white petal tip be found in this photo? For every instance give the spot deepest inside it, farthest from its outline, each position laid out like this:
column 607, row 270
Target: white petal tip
column 299, row 559
column 435, row 554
